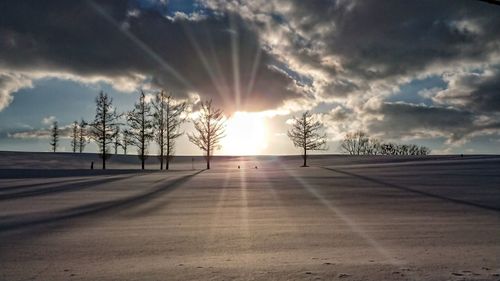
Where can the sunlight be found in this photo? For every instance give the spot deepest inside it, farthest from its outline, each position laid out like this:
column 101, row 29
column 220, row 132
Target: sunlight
column 246, row 134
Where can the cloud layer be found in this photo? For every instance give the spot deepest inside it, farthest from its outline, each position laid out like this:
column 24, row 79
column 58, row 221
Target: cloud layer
column 218, row 57
column 347, row 58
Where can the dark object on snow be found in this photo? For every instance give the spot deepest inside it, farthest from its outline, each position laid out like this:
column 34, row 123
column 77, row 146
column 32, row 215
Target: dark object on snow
column 256, row 167
column 92, row 165
column 238, row 166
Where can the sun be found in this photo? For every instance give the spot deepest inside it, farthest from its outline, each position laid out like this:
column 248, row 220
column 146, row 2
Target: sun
column 246, row 134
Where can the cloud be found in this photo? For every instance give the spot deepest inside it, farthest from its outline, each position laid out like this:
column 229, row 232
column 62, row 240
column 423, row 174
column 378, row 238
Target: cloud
column 48, row 120
column 359, row 53
column 405, row 120
column 475, row 90
column 339, row 114
column 219, row 57
column 279, row 57
column 45, row 133
column 9, row 83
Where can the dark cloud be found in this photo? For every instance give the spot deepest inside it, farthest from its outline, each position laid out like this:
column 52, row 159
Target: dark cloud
column 477, row 91
column 407, row 120
column 379, row 39
column 99, row 39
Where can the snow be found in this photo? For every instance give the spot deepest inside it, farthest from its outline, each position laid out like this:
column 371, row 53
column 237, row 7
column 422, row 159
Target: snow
column 352, row 218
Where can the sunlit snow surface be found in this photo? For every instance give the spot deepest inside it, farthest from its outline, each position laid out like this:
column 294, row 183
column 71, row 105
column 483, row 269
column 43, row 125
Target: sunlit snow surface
column 355, row 218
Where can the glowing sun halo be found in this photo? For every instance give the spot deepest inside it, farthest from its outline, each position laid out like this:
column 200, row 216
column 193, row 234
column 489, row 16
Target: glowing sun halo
column 245, row 134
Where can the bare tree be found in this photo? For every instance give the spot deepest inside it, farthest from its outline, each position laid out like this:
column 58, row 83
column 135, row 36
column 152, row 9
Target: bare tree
column 141, row 127
column 82, row 135
column 126, row 140
column 424, row 151
column 54, row 136
column 359, row 143
column 305, row 134
column 373, row 147
column 116, row 139
column 209, row 130
column 167, row 121
column 413, row 149
column 388, row 148
column 103, row 128
column 74, row 136
column 355, row 143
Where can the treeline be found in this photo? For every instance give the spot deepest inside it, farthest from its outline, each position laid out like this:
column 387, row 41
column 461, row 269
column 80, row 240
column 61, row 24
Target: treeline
column 306, row 133
column 158, row 121
column 359, row 143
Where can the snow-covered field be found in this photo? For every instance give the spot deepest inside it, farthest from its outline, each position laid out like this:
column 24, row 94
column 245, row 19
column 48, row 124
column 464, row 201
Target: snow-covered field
column 349, row 218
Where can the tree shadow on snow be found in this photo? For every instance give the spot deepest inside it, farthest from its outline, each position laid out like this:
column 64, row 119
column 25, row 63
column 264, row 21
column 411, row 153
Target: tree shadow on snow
column 420, row 192
column 99, row 208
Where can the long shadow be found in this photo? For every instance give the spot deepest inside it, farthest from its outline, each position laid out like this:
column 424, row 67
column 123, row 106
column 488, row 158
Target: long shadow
column 24, row 186
column 96, row 208
column 59, row 173
column 386, row 184
column 58, row 189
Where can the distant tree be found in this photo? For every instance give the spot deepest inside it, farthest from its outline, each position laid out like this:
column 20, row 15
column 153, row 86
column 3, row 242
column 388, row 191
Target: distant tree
column 54, row 136
column 116, row 139
column 209, row 130
column 103, row 128
column 413, row 149
column 356, row 143
column 74, row 136
column 373, row 147
column 305, row 134
column 424, row 151
column 82, row 135
column 167, row 120
column 388, row 149
column 141, row 127
column 126, row 140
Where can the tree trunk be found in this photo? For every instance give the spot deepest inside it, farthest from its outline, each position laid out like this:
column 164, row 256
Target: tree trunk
column 103, row 155
column 167, row 161
column 142, row 157
column 168, row 150
column 161, row 160
column 305, row 158
column 208, row 159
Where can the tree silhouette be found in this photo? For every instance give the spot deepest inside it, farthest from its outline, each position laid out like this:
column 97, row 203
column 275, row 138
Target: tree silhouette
column 166, row 122
column 54, row 136
column 209, row 129
column 74, row 136
column 126, row 140
column 103, row 128
column 116, row 139
column 141, row 127
column 82, row 141
column 305, row 134
column 359, row 143
column 355, row 143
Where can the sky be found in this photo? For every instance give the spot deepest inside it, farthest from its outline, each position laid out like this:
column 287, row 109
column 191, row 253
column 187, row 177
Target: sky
column 423, row 72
